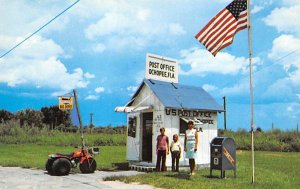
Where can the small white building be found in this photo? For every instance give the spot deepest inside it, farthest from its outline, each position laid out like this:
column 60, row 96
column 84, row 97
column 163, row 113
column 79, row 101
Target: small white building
column 158, row 104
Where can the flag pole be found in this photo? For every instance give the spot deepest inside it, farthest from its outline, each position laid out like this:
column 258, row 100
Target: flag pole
column 251, row 85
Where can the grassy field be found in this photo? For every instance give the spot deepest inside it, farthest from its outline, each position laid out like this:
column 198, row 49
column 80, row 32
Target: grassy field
column 35, row 156
column 273, row 170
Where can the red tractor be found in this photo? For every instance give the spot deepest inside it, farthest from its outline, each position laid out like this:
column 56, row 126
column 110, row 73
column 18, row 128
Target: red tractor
column 61, row 164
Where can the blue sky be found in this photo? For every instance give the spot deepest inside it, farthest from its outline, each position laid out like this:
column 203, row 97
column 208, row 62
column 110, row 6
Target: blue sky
column 99, row 47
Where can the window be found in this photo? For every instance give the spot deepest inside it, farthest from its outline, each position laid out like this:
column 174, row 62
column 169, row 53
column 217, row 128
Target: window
column 131, row 126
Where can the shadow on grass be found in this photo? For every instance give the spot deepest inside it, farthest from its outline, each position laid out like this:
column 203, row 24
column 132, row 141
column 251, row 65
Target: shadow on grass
column 184, row 176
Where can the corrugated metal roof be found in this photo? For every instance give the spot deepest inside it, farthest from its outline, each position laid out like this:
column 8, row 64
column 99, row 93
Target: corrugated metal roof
column 173, row 95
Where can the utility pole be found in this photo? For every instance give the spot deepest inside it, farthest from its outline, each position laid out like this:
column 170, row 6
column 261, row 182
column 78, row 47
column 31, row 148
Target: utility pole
column 91, row 122
column 272, row 126
column 297, row 128
column 224, row 104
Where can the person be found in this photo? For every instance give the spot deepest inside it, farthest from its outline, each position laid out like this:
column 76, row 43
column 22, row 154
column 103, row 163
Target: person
column 175, row 153
column 190, row 145
column 162, row 149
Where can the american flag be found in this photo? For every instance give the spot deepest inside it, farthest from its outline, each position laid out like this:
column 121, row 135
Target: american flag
column 220, row 30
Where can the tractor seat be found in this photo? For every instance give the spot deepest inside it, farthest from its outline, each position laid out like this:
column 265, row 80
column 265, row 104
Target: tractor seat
column 68, row 155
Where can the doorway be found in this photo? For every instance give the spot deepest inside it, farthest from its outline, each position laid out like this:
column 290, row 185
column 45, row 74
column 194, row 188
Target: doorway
column 147, row 136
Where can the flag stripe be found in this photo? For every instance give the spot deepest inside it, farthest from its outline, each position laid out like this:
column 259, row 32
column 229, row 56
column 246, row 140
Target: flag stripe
column 220, row 40
column 242, row 24
column 221, row 29
column 222, row 32
column 210, row 23
column 215, row 25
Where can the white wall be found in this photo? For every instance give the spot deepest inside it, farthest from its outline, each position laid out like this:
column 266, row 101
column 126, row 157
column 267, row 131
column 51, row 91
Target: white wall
column 133, row 143
column 205, row 137
column 171, row 124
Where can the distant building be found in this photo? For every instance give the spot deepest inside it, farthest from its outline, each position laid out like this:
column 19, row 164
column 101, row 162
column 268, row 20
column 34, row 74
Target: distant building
column 158, row 104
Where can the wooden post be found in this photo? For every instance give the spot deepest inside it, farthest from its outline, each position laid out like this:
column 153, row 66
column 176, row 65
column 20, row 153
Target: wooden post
column 224, row 99
column 79, row 117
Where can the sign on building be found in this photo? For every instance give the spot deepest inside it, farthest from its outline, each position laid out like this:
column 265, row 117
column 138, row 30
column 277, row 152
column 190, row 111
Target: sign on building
column 65, row 103
column 161, row 68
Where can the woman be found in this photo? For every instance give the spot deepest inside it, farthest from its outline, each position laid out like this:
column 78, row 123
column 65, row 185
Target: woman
column 162, row 150
column 190, row 145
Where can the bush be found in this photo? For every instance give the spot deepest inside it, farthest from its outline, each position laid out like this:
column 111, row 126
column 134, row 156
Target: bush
column 275, row 140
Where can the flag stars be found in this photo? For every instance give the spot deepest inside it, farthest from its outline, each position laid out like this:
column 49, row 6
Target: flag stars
column 236, row 7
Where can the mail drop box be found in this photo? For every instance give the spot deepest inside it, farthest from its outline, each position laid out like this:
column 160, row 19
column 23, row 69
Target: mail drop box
column 223, row 155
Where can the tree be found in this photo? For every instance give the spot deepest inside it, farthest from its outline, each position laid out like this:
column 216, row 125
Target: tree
column 5, row 116
column 258, row 129
column 55, row 117
column 30, row 117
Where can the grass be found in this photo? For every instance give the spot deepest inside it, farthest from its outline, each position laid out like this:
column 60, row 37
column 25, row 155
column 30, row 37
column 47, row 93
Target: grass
column 35, row 156
column 273, row 170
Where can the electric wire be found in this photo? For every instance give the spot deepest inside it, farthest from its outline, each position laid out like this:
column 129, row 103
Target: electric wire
column 20, row 43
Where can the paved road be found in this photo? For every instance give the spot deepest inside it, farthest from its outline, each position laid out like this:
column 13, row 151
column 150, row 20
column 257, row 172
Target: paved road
column 19, row 178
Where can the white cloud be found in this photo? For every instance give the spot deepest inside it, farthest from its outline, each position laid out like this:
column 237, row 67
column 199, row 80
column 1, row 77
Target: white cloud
column 176, row 29
column 89, row 75
column 282, row 48
column 36, row 63
column 238, row 89
column 99, row 90
column 111, row 23
column 91, row 97
column 132, row 88
column 99, row 48
column 32, row 16
column 36, row 47
column 291, row 2
column 257, row 9
column 134, row 26
column 283, row 52
column 283, row 19
column 209, row 88
column 201, row 62
column 280, row 90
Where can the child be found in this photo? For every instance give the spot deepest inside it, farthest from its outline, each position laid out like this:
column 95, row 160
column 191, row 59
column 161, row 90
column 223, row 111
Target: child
column 175, row 152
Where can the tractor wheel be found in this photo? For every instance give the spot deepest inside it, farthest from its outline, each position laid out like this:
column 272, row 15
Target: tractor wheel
column 48, row 166
column 88, row 165
column 61, row 166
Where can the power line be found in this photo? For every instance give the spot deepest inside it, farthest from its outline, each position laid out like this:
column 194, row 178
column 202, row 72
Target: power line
column 277, row 60
column 39, row 29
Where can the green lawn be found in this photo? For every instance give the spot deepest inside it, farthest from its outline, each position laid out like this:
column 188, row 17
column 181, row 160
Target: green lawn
column 35, row 156
column 273, row 169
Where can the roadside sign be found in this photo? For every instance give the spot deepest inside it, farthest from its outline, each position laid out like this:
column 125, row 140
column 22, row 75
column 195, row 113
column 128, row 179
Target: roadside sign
column 65, row 103
column 161, row 68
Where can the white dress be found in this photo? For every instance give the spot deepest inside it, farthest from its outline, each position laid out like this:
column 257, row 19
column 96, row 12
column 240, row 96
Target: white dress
column 190, row 143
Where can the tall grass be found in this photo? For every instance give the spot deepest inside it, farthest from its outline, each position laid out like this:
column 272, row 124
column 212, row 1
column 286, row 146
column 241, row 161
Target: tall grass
column 11, row 133
column 275, row 140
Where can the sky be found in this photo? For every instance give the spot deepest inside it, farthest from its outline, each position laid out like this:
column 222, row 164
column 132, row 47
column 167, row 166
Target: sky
column 99, row 47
